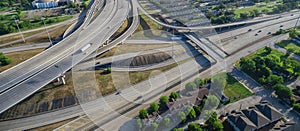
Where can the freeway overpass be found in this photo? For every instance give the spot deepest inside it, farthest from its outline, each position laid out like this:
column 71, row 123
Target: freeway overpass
column 26, row 78
column 235, row 58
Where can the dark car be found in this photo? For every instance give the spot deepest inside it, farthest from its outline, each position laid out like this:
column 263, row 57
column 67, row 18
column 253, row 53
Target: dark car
column 250, row 30
column 119, row 92
column 259, row 31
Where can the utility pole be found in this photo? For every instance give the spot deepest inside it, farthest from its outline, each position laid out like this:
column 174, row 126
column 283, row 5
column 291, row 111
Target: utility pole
column 43, row 19
column 16, row 20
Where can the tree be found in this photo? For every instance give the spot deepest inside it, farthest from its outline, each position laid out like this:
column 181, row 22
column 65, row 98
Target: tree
column 197, row 110
column 84, row 5
column 293, row 33
column 256, row 12
column 274, row 79
column 212, row 119
column 212, row 101
column 191, row 113
column 194, row 127
column 178, row 129
column 263, row 71
column 272, row 61
column 163, row 100
column 139, row 123
column 267, row 1
column 71, row 5
column 166, row 121
column 244, row 15
column 296, row 68
column 143, row 114
column 297, row 107
column 174, row 95
column 268, row 49
column 191, row 86
column 247, row 65
column 217, row 125
column 282, row 91
column 182, row 117
column 199, row 82
column 154, row 126
column 4, row 60
column 154, row 107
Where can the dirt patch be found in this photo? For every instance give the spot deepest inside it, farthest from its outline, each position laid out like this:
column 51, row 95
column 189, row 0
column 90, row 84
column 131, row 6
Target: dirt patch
column 143, row 60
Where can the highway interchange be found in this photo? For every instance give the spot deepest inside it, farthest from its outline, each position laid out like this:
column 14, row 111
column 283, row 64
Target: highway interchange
column 23, row 80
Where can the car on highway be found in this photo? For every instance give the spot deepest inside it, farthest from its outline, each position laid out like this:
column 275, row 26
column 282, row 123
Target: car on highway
column 250, row 30
column 256, row 34
column 139, row 97
column 259, row 31
column 269, row 33
column 119, row 92
column 281, row 25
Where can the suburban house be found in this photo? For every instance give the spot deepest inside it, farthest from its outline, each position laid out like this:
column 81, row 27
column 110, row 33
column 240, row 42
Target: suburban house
column 254, row 118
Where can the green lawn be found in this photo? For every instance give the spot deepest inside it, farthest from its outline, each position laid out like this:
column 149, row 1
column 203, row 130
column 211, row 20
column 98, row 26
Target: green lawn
column 289, row 45
column 234, row 90
column 248, row 9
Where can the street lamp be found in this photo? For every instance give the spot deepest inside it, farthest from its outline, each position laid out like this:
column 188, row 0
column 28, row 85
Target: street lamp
column 16, row 20
column 43, row 19
column 297, row 22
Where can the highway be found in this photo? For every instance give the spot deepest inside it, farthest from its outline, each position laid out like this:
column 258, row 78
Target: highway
column 24, row 47
column 60, row 114
column 24, row 79
column 120, row 121
column 113, row 125
column 12, row 76
column 231, row 46
column 210, row 51
column 65, row 65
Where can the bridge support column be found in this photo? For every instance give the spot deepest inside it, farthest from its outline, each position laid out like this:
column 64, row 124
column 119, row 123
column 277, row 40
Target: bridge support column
column 62, row 79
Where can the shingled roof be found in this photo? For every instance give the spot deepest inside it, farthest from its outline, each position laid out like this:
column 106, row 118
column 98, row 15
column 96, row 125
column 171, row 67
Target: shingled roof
column 256, row 117
column 269, row 111
column 242, row 122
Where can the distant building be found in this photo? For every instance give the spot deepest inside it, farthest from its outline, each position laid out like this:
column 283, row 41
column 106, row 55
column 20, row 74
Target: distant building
column 41, row 4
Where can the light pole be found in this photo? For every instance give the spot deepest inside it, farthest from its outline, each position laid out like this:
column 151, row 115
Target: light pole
column 173, row 22
column 43, row 19
column 297, row 22
column 16, row 20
